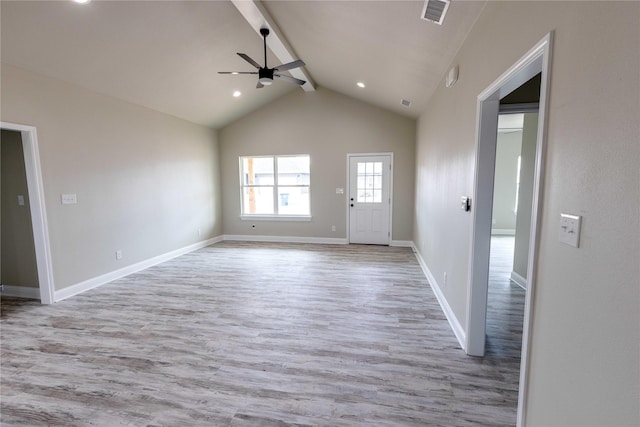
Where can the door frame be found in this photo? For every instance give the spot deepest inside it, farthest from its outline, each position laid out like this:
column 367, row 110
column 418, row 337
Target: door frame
column 38, row 211
column 348, row 189
column 536, row 60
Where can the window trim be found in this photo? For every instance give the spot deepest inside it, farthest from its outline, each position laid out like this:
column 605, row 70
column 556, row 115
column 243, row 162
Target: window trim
column 275, row 216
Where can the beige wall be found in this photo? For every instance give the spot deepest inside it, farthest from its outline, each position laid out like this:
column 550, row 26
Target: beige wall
column 327, row 126
column 585, row 355
column 145, row 182
column 18, row 258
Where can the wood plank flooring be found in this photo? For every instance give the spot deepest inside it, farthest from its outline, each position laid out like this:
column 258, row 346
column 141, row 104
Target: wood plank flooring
column 252, row 334
column 505, row 303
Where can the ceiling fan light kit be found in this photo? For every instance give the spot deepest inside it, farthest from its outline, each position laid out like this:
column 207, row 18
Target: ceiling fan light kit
column 266, row 74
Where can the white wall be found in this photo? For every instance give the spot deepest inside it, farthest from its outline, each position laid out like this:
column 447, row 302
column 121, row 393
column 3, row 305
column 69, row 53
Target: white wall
column 525, row 199
column 145, row 182
column 327, row 126
column 585, row 343
column 504, row 192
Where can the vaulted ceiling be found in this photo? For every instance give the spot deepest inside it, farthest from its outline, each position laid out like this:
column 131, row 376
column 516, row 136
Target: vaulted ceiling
column 165, row 55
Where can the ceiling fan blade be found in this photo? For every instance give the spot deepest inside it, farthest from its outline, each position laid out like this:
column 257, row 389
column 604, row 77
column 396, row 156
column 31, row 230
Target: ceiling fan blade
column 248, row 59
column 290, row 79
column 259, row 85
column 290, row 65
column 237, row 72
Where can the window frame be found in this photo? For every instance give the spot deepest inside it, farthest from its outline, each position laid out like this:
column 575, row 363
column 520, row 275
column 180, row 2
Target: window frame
column 276, row 216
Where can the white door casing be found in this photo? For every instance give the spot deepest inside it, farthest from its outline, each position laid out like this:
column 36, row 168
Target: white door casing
column 537, row 60
column 369, row 199
column 38, row 213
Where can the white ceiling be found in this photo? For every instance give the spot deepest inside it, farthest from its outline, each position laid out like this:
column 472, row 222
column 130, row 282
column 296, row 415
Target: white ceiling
column 165, row 55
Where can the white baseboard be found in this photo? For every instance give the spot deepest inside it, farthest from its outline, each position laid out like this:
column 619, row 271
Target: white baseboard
column 296, row 239
column 446, row 308
column 285, row 239
column 133, row 268
column 402, row 243
column 519, row 280
column 21, row 292
column 502, row 232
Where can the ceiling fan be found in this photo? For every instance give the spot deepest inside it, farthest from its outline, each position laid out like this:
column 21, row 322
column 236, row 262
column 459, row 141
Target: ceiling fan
column 266, row 74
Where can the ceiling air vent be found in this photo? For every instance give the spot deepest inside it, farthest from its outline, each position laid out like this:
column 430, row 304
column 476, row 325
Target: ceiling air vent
column 435, row 10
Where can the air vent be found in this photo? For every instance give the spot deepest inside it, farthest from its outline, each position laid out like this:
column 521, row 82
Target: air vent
column 435, row 10
column 405, row 103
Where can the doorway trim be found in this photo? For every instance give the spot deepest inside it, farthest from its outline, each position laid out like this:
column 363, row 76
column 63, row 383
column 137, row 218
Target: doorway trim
column 347, row 189
column 38, row 211
column 536, row 60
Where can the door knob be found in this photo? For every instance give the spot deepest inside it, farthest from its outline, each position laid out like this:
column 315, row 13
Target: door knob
column 352, row 199
column 351, row 204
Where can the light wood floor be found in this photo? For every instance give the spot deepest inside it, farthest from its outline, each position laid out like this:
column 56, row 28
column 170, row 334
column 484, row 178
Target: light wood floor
column 240, row 334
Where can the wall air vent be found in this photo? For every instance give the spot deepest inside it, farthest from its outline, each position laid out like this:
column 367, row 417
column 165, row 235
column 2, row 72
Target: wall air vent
column 435, row 10
column 405, row 103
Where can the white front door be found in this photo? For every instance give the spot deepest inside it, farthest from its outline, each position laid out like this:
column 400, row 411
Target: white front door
column 369, row 199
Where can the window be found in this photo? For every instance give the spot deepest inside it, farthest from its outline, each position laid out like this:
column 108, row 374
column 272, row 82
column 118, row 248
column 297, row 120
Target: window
column 275, row 185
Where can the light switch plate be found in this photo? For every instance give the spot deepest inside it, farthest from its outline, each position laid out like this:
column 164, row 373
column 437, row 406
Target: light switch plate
column 339, row 190
column 20, row 200
column 69, row 199
column 465, row 203
column 569, row 231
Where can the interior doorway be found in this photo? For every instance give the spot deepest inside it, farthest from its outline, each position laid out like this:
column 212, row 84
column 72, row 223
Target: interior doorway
column 511, row 218
column 18, row 271
column 369, row 204
column 37, row 208
column 536, row 61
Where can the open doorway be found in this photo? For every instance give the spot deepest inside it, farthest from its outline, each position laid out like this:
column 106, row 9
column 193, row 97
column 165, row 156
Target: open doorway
column 536, row 61
column 511, row 219
column 36, row 206
column 18, row 268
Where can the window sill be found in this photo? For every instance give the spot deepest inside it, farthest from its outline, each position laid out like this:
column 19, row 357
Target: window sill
column 275, row 217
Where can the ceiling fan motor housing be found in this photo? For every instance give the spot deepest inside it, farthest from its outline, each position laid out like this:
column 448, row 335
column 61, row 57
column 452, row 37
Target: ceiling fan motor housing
column 265, row 76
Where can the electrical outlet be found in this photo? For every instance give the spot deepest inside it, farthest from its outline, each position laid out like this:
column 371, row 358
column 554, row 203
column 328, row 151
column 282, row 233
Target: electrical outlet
column 119, row 254
column 333, row 228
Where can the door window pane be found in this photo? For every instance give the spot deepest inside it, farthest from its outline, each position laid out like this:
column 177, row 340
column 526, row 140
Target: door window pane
column 369, row 185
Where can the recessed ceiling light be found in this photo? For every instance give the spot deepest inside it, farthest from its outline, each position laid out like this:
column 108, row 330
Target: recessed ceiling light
column 81, row 1
column 235, row 73
column 237, row 93
column 360, row 84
